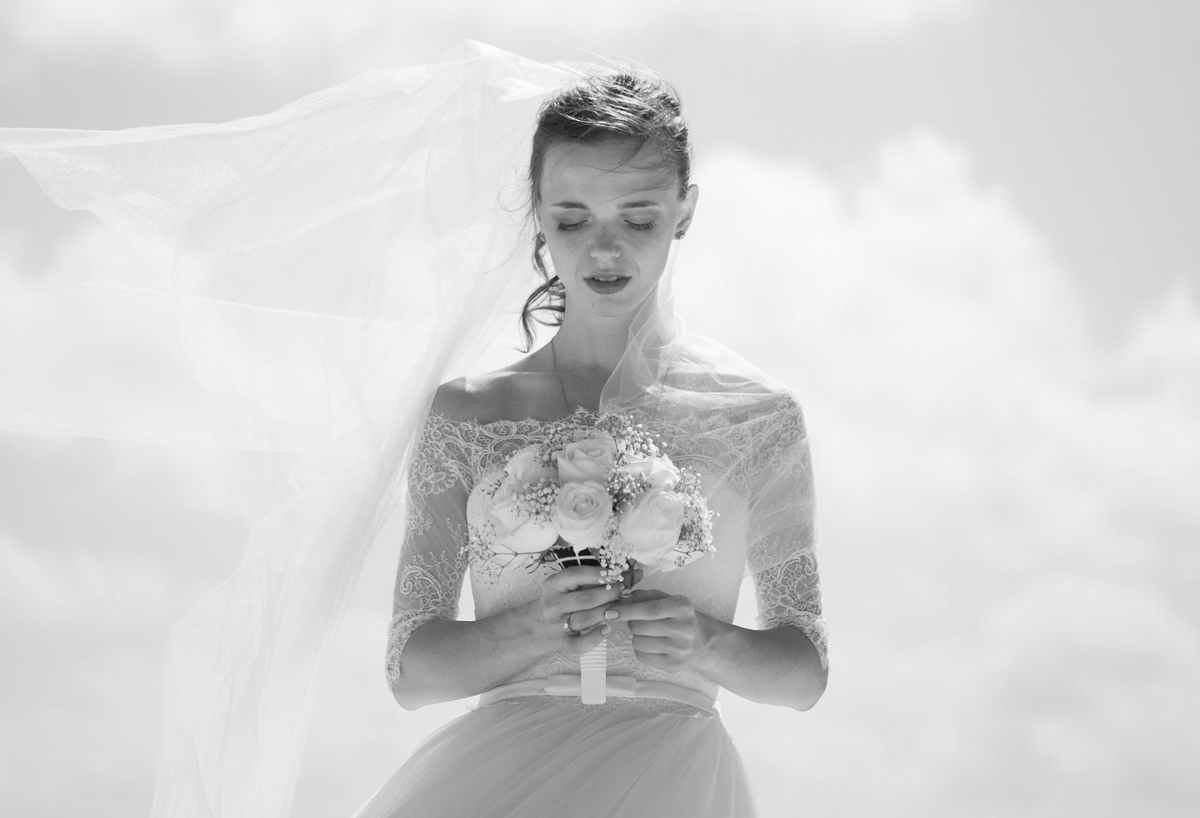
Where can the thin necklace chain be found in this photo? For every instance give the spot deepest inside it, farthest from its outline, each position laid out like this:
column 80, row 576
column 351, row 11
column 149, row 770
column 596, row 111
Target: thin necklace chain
column 561, row 386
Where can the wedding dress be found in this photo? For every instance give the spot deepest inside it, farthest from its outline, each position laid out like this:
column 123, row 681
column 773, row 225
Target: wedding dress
column 550, row 755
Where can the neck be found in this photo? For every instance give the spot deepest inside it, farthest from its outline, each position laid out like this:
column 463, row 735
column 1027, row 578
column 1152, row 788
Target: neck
column 591, row 344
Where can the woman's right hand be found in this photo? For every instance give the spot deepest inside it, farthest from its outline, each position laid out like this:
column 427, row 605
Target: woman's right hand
column 579, row 592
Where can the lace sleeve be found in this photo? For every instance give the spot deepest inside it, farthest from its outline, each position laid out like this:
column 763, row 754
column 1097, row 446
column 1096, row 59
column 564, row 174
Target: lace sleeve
column 782, row 557
column 433, row 558
column 790, row 594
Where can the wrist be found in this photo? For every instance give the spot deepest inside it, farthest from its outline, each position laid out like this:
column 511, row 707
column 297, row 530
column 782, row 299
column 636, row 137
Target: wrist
column 527, row 628
column 706, row 650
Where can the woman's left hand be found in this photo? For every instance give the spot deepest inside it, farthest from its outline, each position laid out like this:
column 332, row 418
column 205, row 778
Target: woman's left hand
column 667, row 630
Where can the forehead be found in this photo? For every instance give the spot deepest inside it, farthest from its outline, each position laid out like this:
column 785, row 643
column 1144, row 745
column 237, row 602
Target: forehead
column 601, row 172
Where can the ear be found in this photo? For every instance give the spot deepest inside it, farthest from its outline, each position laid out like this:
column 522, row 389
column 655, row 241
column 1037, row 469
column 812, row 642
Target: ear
column 688, row 208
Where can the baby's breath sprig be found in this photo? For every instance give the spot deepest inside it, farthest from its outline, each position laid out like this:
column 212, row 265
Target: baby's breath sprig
column 695, row 535
column 623, row 486
column 633, row 441
column 536, row 499
column 689, row 483
column 558, row 434
column 613, row 551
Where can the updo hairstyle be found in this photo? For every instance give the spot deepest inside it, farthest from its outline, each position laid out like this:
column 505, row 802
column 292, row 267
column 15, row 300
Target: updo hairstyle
column 628, row 105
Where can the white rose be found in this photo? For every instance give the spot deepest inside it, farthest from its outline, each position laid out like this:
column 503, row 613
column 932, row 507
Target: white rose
column 589, row 459
column 660, row 470
column 652, row 524
column 516, row 530
column 526, row 467
column 581, row 512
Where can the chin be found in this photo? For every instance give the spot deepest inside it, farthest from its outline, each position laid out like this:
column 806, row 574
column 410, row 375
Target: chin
column 615, row 304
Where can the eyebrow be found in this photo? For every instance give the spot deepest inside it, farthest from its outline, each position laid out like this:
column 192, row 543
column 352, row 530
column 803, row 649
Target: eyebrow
column 626, row 206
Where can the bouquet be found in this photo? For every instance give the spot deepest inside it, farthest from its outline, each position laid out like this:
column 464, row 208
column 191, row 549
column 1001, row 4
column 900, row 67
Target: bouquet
column 603, row 496
column 607, row 493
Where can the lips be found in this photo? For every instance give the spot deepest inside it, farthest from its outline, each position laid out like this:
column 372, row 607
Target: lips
column 607, row 283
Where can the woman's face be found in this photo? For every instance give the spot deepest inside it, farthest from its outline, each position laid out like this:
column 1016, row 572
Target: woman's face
column 609, row 220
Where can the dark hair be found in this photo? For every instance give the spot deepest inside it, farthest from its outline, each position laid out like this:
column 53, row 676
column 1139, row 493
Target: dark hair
column 627, row 105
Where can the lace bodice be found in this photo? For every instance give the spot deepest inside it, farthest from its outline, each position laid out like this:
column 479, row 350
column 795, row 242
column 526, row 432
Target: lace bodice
column 446, row 534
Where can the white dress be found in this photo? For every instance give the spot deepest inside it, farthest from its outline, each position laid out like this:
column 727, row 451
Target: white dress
column 551, row 755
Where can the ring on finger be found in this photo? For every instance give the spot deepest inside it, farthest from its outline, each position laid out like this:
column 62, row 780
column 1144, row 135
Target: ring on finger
column 567, row 626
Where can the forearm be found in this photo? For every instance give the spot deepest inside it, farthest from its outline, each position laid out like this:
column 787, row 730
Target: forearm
column 775, row 666
column 445, row 660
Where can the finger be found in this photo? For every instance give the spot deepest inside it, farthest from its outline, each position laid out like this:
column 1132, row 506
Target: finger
column 583, row 600
column 587, row 639
column 666, row 628
column 577, row 576
column 647, row 593
column 632, row 577
column 653, row 646
column 671, row 664
column 641, row 609
column 590, row 617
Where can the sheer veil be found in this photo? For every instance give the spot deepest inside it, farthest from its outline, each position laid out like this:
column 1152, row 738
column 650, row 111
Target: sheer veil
column 316, row 272
column 747, row 428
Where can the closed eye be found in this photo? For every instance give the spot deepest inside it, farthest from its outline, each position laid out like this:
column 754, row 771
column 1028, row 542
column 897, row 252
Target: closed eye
column 569, row 226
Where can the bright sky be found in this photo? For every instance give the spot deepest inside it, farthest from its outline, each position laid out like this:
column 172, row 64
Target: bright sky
column 964, row 231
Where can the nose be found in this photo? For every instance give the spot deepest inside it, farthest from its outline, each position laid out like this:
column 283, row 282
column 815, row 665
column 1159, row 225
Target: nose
column 605, row 246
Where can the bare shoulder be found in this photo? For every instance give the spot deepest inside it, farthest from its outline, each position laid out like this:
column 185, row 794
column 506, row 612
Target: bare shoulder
column 505, row 393
column 452, row 400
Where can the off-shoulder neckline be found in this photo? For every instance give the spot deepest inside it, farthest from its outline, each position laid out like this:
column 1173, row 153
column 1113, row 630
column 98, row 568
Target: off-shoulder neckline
column 475, row 421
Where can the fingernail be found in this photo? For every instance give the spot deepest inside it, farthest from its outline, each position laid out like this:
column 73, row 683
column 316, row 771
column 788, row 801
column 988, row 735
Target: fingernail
column 606, row 630
column 611, row 613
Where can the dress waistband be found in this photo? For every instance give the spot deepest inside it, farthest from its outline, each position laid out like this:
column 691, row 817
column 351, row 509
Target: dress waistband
column 617, row 686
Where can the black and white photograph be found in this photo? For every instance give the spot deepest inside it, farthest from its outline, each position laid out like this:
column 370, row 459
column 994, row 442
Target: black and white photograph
column 470, row 409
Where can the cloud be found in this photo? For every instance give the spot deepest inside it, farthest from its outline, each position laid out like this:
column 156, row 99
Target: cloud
column 103, row 592
column 1007, row 510
column 1163, row 350
column 980, row 459
column 102, row 546
column 1094, row 678
column 274, row 33
column 82, row 643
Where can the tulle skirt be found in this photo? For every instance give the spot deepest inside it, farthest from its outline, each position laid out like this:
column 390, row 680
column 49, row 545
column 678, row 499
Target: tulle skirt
column 550, row 757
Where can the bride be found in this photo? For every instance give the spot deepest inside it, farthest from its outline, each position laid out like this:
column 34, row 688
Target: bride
column 313, row 276
column 611, row 192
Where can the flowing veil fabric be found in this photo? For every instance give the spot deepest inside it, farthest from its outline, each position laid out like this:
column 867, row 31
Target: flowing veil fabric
column 315, row 274
column 694, row 382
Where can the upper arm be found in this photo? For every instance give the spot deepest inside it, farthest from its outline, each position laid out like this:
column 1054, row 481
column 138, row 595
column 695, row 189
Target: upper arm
column 782, row 556
column 433, row 556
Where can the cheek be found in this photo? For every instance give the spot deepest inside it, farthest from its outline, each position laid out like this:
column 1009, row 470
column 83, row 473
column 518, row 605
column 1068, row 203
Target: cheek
column 647, row 242
column 563, row 254
column 653, row 253
column 567, row 243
